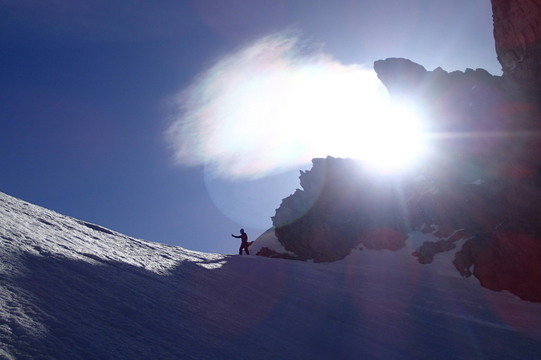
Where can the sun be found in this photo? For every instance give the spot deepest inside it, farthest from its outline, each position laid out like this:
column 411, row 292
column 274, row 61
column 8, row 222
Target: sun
column 356, row 118
column 392, row 139
column 270, row 108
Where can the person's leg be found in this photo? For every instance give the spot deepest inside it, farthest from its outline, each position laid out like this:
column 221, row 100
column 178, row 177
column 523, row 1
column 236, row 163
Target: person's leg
column 246, row 249
column 240, row 249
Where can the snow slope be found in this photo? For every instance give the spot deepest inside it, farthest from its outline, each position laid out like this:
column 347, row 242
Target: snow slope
column 74, row 290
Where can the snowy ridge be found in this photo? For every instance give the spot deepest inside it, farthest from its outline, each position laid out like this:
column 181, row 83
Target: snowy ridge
column 74, row 290
column 45, row 232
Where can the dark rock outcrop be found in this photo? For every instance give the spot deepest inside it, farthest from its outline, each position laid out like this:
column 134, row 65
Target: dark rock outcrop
column 504, row 261
column 405, row 75
column 488, row 151
column 482, row 183
column 426, row 252
column 266, row 252
column 517, row 34
column 478, row 119
column 340, row 207
column 486, row 171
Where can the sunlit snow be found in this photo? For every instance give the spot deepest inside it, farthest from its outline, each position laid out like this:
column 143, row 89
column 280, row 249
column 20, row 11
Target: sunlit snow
column 74, row 290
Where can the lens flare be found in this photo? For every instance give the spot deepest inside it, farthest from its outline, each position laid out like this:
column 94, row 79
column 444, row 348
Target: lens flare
column 274, row 106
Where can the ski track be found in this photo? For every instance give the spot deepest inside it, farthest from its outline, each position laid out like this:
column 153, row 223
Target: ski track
column 75, row 290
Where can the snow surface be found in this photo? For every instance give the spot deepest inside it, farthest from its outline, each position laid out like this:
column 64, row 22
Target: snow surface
column 268, row 240
column 75, row 290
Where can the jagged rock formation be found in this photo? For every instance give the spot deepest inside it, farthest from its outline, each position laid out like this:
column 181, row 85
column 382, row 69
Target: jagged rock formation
column 477, row 117
column 340, row 207
column 517, row 32
column 482, row 185
column 266, row 252
column 426, row 252
column 492, row 125
column 503, row 260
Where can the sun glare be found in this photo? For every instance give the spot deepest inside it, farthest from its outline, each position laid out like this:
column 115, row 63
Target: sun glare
column 393, row 138
column 270, row 107
column 352, row 116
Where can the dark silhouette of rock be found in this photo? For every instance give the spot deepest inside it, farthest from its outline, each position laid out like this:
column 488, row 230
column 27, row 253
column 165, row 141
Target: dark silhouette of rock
column 426, row 252
column 482, row 183
column 384, row 237
column 485, row 175
column 517, row 34
column 266, row 252
column 339, row 207
column 479, row 116
column 503, row 261
column 405, row 75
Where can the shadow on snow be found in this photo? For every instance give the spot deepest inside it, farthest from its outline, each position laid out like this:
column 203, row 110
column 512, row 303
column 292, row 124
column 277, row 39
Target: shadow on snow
column 248, row 308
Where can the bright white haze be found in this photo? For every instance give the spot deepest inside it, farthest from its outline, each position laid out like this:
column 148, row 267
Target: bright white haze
column 274, row 106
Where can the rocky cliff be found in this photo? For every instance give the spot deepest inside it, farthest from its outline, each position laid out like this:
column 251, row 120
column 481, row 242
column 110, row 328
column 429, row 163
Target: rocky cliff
column 489, row 128
column 482, row 188
column 517, row 33
column 340, row 207
column 492, row 125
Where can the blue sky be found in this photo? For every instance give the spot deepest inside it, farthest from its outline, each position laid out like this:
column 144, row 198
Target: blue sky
column 89, row 89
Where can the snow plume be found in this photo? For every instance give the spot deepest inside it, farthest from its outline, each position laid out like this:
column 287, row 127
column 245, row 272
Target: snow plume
column 269, row 107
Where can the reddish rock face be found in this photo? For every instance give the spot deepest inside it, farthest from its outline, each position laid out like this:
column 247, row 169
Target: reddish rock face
column 517, row 34
column 504, row 261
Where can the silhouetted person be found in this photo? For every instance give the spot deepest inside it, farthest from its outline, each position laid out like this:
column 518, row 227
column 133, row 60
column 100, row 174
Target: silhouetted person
column 244, row 242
